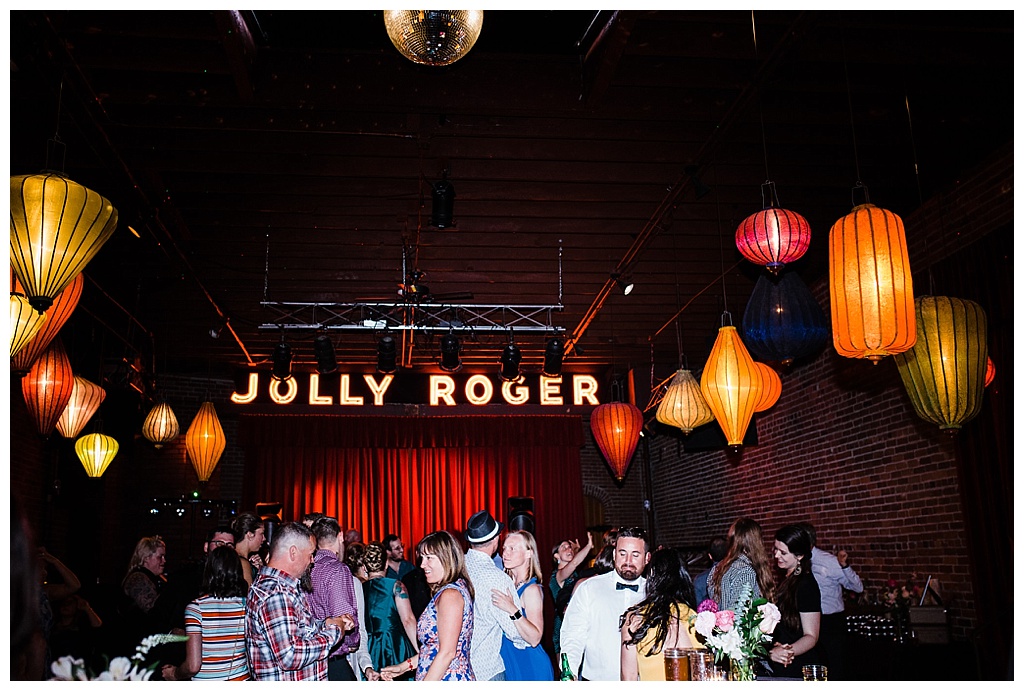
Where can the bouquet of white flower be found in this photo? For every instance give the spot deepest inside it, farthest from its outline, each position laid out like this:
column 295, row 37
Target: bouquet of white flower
column 737, row 636
column 68, row 668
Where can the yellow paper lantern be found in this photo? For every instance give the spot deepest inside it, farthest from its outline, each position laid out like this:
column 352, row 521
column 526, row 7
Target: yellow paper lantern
column 96, row 451
column 56, row 316
column 683, row 405
column 771, row 387
column 25, row 322
column 616, row 428
column 57, row 227
column 731, row 384
column 85, row 400
column 161, row 425
column 871, row 289
column 205, row 441
column 47, row 387
column 944, row 373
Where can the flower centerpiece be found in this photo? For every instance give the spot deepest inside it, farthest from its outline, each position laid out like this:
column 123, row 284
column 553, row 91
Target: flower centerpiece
column 69, row 668
column 739, row 636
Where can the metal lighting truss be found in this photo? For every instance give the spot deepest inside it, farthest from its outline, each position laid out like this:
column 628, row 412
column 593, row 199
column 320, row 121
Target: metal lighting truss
column 405, row 316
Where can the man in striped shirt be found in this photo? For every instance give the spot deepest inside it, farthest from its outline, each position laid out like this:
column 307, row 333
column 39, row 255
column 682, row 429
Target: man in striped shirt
column 283, row 640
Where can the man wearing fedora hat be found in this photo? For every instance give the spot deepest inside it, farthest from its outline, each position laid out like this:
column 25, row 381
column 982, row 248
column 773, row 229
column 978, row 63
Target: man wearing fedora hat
column 489, row 622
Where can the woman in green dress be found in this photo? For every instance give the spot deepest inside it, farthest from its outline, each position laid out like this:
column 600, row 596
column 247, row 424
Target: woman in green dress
column 390, row 622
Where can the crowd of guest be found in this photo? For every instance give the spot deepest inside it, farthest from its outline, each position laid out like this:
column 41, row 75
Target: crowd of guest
column 311, row 601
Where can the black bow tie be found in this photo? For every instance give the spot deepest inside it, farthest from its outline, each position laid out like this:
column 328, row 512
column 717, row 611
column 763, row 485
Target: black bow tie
column 635, row 587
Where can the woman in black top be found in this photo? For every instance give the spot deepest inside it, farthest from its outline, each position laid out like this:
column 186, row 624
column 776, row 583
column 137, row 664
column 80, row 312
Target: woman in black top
column 799, row 602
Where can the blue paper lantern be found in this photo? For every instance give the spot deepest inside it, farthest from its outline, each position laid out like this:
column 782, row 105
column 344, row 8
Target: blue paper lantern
column 783, row 322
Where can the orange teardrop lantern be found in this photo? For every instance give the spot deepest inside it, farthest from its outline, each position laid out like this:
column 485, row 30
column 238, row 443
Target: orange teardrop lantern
column 205, row 441
column 96, row 451
column 616, row 428
column 85, row 400
column 870, row 285
column 683, row 405
column 25, row 322
column 771, row 387
column 47, row 387
column 990, row 371
column 161, row 425
column 56, row 316
column 731, row 384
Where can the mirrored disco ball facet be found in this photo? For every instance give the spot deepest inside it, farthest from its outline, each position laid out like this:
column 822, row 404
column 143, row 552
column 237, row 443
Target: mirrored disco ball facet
column 433, row 37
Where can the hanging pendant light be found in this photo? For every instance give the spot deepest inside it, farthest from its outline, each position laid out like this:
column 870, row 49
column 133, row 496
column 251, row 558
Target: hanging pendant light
column 616, row 428
column 944, row 373
column 683, row 405
column 990, row 371
column 47, row 387
column 57, row 227
column 870, row 285
column 25, row 322
column 433, row 37
column 773, row 237
column 205, row 441
column 96, row 451
column 56, row 316
column 782, row 321
column 85, row 400
column 731, row 384
column 161, row 425
column 770, row 390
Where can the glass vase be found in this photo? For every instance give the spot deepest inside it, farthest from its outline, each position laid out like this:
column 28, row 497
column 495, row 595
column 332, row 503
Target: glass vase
column 741, row 670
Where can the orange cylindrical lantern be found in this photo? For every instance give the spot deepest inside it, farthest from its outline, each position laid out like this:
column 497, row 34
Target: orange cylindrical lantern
column 683, row 405
column 771, row 387
column 616, row 428
column 161, row 425
column 85, row 400
column 96, row 451
column 870, row 285
column 56, row 315
column 731, row 384
column 205, row 441
column 47, row 387
column 773, row 237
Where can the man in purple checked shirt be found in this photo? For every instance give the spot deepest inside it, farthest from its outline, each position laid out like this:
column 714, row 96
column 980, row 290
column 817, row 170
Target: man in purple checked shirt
column 334, row 593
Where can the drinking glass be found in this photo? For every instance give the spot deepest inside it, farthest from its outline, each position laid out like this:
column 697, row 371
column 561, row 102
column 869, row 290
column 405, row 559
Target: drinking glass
column 677, row 664
column 815, row 673
column 702, row 666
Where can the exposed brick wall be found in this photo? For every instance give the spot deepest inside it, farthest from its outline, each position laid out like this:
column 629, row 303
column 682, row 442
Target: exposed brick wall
column 623, row 503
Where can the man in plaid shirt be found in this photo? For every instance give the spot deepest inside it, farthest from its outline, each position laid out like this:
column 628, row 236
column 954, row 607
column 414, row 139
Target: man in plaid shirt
column 283, row 640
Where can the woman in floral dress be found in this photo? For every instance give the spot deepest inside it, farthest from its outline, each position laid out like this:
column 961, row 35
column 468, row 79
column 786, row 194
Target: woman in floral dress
column 445, row 628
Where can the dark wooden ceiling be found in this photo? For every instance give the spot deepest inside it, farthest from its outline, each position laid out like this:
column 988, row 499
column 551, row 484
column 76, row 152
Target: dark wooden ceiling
column 290, row 156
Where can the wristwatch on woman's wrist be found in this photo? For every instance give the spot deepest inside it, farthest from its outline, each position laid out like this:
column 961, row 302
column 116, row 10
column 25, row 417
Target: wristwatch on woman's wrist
column 517, row 615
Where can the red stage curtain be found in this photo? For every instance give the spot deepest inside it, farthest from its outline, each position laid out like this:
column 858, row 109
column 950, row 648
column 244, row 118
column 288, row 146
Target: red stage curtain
column 411, row 476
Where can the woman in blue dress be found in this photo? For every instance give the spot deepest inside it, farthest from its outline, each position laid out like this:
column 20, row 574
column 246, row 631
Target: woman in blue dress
column 445, row 628
column 523, row 564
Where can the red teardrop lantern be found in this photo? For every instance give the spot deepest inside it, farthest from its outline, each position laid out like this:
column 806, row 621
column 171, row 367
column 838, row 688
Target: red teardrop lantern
column 990, row 371
column 616, row 428
column 47, row 387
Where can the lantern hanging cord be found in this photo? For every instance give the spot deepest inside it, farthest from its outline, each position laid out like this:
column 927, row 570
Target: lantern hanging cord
column 55, row 141
column 760, row 108
column 721, row 245
column 913, row 148
column 849, row 101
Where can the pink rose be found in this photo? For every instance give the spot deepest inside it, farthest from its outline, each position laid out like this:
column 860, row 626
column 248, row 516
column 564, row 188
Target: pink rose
column 707, row 606
column 724, row 619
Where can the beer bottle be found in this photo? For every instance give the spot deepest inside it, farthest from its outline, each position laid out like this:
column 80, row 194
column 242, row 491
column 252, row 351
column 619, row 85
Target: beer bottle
column 567, row 674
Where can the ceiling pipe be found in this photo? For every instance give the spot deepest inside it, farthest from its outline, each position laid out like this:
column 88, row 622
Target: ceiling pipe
column 655, row 223
column 82, row 83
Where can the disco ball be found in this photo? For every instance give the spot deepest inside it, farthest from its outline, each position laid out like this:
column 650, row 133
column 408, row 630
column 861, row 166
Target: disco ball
column 433, row 37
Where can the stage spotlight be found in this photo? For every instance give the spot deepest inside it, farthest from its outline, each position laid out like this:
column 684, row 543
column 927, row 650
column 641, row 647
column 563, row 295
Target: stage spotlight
column 510, row 361
column 443, row 208
column 387, row 354
column 450, row 349
column 326, row 360
column 553, row 352
column 282, row 359
column 625, row 286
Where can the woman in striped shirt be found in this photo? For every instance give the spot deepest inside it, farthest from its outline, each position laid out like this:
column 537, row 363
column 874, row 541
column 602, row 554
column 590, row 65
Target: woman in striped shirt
column 215, row 624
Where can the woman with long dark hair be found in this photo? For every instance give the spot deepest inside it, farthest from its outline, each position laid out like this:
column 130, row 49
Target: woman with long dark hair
column 215, row 624
column 746, row 563
column 660, row 620
column 799, row 601
column 445, row 628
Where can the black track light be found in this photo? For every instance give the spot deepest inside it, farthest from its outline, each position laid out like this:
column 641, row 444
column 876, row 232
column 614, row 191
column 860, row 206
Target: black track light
column 323, row 349
column 387, row 354
column 553, row 353
column 443, row 208
column 625, row 286
column 282, row 359
column 510, row 359
column 450, row 349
